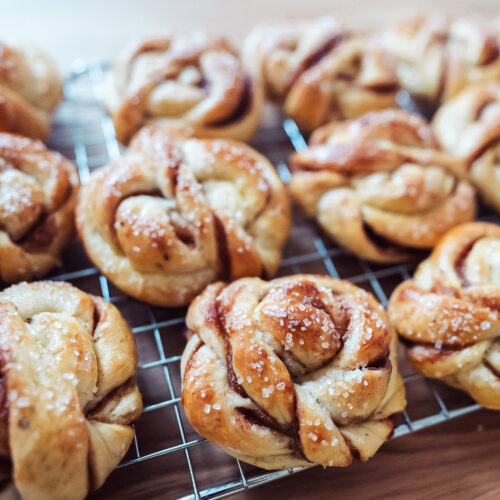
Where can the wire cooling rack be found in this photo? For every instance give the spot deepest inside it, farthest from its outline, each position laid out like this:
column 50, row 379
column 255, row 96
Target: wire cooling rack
column 168, row 458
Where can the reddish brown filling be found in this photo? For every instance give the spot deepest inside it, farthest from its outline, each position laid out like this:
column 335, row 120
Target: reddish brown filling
column 384, row 244
column 243, row 107
column 42, row 232
column 4, row 403
column 316, row 56
column 492, row 50
column 183, row 234
column 255, row 414
column 5, row 472
column 492, row 369
column 383, row 88
column 223, row 256
column 460, row 262
column 115, row 395
column 432, row 353
column 40, row 235
column 482, row 149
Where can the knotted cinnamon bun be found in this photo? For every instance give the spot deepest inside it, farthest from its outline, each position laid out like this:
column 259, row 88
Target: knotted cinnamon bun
column 380, row 186
column 38, row 191
column 449, row 313
column 175, row 214
column 438, row 56
column 292, row 372
column 192, row 80
column 469, row 126
column 67, row 389
column 30, row 90
column 320, row 70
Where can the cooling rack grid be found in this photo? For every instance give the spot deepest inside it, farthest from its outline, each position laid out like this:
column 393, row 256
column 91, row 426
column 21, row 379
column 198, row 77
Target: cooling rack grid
column 167, row 454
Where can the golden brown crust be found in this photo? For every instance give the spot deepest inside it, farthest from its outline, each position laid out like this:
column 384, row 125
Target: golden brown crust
column 380, row 186
column 175, row 214
column 290, row 372
column 320, row 70
column 449, row 313
column 67, row 361
column 38, row 193
column 469, row 126
column 30, row 89
column 191, row 80
column 437, row 56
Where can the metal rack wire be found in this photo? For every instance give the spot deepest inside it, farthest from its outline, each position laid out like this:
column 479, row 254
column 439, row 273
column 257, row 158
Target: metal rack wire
column 184, row 464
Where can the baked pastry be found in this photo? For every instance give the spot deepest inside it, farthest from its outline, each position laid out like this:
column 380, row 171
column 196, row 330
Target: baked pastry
column 380, row 186
column 437, row 56
column 38, row 192
column 448, row 314
column 469, row 126
column 67, row 388
column 30, row 90
column 187, row 80
column 292, row 372
column 320, row 70
column 175, row 214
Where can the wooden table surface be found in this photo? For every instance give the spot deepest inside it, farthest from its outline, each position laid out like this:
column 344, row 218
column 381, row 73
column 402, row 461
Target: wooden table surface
column 455, row 460
column 458, row 459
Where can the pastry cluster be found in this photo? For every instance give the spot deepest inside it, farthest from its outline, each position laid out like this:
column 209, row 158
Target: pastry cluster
column 279, row 373
column 291, row 372
column 321, row 70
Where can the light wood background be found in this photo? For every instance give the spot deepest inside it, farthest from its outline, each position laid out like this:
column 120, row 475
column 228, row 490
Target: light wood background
column 456, row 460
column 97, row 29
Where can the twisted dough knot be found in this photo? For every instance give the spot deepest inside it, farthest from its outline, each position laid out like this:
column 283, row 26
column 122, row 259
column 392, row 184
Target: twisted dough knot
column 68, row 393
column 469, row 127
column 449, row 313
column 187, row 80
column 320, row 70
column 175, row 214
column 379, row 185
column 437, row 56
column 290, row 372
column 38, row 191
column 30, row 90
